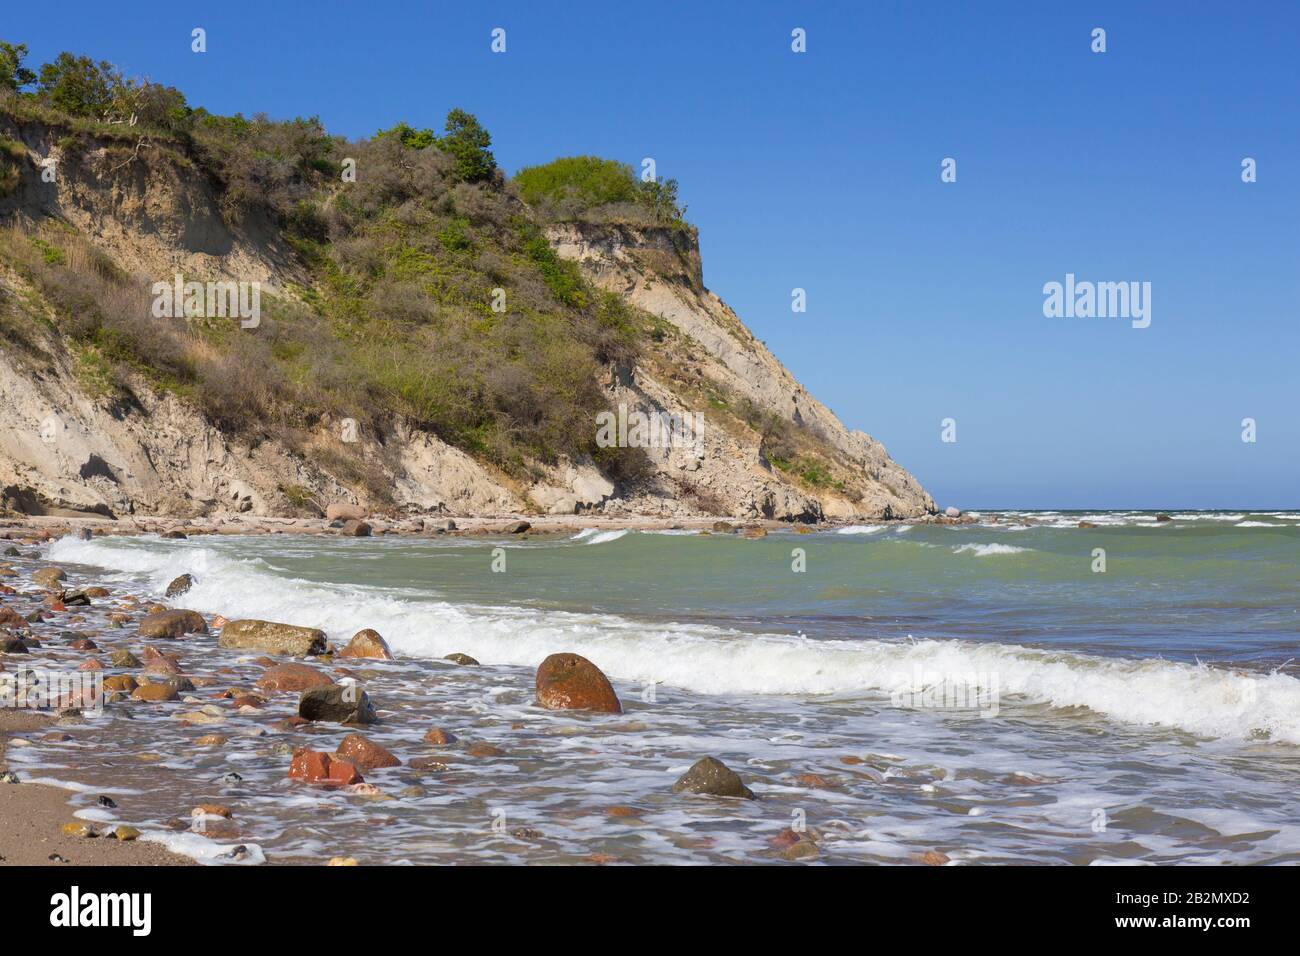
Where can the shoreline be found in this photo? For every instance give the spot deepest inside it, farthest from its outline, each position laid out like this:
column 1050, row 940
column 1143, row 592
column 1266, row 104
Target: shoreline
column 51, row 526
column 33, row 815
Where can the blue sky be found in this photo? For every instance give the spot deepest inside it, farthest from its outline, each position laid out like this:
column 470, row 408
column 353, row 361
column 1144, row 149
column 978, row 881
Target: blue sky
column 821, row 171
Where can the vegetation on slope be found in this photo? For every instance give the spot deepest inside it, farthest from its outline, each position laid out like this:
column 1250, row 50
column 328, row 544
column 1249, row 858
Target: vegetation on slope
column 433, row 294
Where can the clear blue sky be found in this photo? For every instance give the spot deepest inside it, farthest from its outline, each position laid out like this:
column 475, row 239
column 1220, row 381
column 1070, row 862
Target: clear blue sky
column 821, row 171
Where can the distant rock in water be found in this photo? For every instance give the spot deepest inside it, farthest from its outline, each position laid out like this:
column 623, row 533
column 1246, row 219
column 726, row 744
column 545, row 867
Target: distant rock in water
column 338, row 703
column 952, row 512
column 367, row 643
column 463, row 659
column 180, row 585
column 1163, row 517
column 714, row 778
column 571, row 682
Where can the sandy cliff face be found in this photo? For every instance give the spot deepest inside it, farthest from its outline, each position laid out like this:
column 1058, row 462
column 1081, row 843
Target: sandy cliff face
column 62, row 448
column 659, row 271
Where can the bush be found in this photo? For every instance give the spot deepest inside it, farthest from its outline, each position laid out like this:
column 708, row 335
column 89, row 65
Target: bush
column 580, row 182
column 587, row 187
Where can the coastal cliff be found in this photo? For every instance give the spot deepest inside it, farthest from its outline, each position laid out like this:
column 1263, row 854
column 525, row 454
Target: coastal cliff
column 429, row 342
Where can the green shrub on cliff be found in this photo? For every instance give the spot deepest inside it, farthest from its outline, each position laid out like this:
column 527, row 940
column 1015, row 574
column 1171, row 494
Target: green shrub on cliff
column 576, row 187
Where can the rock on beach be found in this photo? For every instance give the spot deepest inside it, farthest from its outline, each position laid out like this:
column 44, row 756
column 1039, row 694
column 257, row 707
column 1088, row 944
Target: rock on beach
column 273, row 637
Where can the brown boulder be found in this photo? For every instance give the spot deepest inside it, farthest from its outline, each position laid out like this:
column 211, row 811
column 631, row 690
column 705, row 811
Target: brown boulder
column 314, row 766
column 121, row 682
column 439, row 737
column 11, row 618
column 369, row 644
column 49, row 577
column 366, row 754
column 292, row 677
column 155, row 693
column 355, row 529
column 173, row 623
column 162, row 665
column 571, row 682
column 712, row 777
column 342, row 510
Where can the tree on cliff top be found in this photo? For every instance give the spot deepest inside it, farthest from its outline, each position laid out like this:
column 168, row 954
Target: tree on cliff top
column 13, row 75
column 467, row 142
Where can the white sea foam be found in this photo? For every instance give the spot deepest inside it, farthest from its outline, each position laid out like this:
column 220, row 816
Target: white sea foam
column 861, row 529
column 596, row 536
column 985, row 550
column 1258, row 524
column 1210, row 701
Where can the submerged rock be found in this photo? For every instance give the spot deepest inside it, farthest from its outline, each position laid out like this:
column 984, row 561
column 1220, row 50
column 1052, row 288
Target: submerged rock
column 49, row 577
column 368, row 644
column 571, row 682
column 156, row 692
column 338, row 703
column 462, row 659
column 712, row 777
column 293, row 677
column 314, row 766
column 273, row 637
